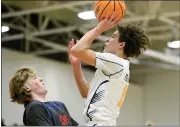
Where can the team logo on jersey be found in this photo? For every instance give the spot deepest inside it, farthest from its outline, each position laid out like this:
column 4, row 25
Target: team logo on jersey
column 64, row 120
column 127, row 78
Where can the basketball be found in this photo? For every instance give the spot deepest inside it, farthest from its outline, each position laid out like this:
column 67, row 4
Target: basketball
column 101, row 8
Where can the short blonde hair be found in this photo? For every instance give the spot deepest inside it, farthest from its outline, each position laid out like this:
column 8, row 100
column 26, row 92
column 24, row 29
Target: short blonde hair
column 17, row 92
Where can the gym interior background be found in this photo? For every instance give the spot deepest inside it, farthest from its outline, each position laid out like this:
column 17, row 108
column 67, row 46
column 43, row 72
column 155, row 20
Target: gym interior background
column 36, row 34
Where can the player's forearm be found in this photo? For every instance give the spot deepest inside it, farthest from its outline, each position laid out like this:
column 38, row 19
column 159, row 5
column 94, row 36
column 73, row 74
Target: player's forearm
column 81, row 82
column 86, row 41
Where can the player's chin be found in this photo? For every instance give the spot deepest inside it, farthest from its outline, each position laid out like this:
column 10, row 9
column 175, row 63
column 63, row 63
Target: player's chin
column 46, row 91
column 104, row 50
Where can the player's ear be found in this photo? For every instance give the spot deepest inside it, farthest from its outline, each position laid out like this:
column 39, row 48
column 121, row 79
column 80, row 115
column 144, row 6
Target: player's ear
column 122, row 44
column 26, row 88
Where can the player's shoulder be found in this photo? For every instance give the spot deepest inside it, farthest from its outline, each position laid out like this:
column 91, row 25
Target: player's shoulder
column 34, row 104
column 105, row 54
column 114, row 58
column 58, row 103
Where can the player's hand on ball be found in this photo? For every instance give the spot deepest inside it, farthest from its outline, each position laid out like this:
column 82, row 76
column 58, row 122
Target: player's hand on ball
column 74, row 61
column 109, row 22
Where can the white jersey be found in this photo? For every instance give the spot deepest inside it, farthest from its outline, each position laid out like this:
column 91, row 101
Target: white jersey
column 107, row 90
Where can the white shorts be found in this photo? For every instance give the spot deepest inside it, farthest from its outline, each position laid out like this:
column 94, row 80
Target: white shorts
column 97, row 123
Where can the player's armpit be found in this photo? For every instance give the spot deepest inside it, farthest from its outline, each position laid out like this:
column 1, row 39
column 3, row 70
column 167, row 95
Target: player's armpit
column 87, row 56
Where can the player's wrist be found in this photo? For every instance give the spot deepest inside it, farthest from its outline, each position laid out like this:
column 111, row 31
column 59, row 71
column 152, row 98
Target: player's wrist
column 76, row 65
column 99, row 30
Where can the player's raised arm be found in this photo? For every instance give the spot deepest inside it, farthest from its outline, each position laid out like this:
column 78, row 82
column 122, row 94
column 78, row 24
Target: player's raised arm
column 81, row 49
column 81, row 82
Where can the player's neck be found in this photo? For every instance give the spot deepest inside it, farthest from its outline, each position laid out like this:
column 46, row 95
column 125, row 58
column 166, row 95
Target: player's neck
column 38, row 97
column 122, row 55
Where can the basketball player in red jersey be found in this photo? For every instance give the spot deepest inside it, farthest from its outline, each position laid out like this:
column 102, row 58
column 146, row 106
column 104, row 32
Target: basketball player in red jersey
column 106, row 92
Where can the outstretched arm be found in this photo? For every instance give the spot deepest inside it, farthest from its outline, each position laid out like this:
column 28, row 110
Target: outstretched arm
column 81, row 82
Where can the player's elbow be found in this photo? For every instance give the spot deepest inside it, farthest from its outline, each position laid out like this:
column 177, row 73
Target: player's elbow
column 84, row 95
column 75, row 52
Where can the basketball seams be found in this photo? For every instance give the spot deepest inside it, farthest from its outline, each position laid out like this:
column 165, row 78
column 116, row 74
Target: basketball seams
column 114, row 6
column 97, row 3
column 122, row 14
column 104, row 9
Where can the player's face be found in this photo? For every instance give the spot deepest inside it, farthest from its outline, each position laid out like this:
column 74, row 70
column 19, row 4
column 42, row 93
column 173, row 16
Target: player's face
column 112, row 44
column 36, row 85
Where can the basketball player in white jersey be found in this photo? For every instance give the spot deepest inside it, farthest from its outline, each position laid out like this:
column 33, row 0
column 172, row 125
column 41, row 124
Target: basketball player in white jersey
column 106, row 92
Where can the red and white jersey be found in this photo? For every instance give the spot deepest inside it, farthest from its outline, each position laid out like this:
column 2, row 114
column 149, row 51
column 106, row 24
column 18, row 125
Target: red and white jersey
column 107, row 89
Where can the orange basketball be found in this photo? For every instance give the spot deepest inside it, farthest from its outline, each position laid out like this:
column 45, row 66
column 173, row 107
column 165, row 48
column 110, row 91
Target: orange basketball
column 101, row 8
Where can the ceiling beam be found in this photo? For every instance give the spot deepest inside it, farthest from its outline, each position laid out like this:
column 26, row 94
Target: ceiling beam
column 48, row 43
column 152, row 10
column 163, row 57
column 45, row 23
column 17, row 27
column 53, row 31
column 39, row 33
column 130, row 13
column 149, row 29
column 46, row 9
column 45, row 52
column 138, row 18
column 21, row 18
column 168, row 21
column 71, row 28
column 158, row 28
column 13, row 37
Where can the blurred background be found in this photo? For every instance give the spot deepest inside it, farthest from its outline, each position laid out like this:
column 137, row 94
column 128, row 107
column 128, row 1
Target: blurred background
column 36, row 34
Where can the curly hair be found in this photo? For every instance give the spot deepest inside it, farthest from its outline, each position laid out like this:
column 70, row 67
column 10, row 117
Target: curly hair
column 16, row 85
column 135, row 38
